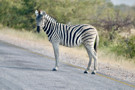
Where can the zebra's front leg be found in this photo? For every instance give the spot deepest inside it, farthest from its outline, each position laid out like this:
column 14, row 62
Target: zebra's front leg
column 56, row 53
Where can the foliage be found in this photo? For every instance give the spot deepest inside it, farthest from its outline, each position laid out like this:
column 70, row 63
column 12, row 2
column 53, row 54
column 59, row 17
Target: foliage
column 20, row 13
column 116, row 23
column 125, row 47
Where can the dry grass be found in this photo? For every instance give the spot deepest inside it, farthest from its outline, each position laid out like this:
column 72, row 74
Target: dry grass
column 26, row 35
column 116, row 61
column 127, row 33
column 105, row 57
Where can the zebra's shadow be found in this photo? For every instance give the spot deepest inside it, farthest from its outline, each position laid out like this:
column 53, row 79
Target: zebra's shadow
column 26, row 68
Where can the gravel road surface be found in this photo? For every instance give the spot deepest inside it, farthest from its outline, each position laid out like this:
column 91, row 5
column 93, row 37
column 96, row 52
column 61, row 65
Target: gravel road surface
column 21, row 69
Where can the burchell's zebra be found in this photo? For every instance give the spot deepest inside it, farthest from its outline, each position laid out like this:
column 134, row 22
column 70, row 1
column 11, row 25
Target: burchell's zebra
column 69, row 35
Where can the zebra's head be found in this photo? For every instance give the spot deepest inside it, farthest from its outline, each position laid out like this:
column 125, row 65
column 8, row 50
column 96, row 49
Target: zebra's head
column 40, row 18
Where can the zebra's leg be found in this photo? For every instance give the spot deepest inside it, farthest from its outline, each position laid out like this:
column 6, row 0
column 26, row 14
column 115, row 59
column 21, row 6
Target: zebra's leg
column 56, row 53
column 90, row 60
column 93, row 55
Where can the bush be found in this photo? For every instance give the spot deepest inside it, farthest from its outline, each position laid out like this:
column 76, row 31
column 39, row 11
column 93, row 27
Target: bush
column 125, row 47
column 131, row 47
column 20, row 13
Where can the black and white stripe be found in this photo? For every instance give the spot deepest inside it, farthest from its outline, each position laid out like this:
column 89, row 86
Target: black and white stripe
column 70, row 36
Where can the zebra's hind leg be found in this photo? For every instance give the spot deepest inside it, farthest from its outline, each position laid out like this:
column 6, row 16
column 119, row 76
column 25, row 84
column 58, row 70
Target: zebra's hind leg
column 56, row 53
column 89, row 65
column 92, row 54
column 90, row 60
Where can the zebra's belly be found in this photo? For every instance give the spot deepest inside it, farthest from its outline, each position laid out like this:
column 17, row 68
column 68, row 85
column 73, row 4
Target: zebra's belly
column 70, row 43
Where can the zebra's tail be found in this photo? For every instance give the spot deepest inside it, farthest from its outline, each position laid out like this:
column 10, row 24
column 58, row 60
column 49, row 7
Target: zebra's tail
column 96, row 43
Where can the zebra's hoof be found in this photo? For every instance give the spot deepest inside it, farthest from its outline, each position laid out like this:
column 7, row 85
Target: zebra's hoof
column 86, row 72
column 93, row 73
column 55, row 69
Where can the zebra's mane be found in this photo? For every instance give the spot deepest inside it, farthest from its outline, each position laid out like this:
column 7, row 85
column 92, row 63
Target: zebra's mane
column 49, row 18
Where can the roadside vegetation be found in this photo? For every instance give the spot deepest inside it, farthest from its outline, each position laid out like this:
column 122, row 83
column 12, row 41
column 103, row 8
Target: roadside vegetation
column 114, row 23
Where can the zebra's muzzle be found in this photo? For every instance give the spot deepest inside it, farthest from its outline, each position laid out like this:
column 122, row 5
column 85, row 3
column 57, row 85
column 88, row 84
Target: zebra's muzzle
column 38, row 29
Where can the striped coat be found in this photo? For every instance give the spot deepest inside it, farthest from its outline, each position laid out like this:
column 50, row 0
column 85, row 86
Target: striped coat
column 70, row 36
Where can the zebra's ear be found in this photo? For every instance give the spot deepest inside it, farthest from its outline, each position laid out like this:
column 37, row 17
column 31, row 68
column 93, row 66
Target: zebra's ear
column 36, row 12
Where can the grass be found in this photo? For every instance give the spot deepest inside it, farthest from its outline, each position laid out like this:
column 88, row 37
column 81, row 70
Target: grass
column 113, row 59
column 105, row 56
column 24, row 34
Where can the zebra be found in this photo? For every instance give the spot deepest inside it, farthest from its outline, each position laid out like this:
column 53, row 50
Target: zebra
column 69, row 36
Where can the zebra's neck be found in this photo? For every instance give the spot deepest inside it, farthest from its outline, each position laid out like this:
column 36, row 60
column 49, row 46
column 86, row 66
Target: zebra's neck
column 49, row 24
column 50, row 19
column 50, row 28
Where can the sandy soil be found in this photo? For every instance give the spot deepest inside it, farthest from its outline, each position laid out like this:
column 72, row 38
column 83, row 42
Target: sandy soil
column 77, row 57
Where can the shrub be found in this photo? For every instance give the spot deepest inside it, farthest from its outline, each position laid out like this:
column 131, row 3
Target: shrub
column 125, row 47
